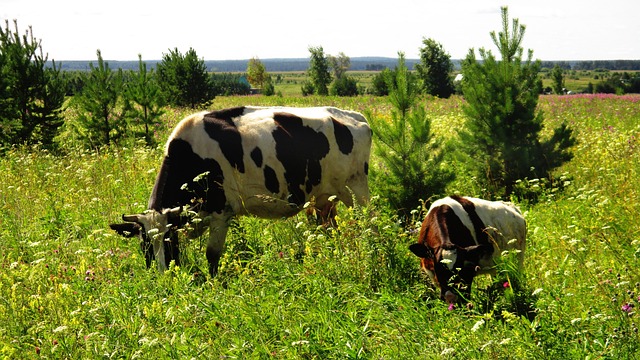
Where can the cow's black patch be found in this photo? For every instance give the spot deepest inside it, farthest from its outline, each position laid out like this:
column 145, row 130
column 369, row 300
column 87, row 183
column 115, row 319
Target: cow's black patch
column 452, row 228
column 220, row 127
column 299, row 148
column 271, row 180
column 180, row 167
column 478, row 225
column 256, row 156
column 343, row 135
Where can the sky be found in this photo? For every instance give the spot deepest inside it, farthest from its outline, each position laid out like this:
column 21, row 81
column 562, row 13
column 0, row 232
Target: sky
column 243, row 29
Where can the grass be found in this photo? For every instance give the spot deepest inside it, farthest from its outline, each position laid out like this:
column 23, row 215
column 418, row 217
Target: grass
column 69, row 288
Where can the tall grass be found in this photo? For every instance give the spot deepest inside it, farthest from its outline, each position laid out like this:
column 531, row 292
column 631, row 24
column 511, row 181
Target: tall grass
column 69, row 288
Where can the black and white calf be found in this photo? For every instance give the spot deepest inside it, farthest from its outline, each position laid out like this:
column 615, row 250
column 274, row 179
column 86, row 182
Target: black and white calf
column 262, row 161
column 461, row 236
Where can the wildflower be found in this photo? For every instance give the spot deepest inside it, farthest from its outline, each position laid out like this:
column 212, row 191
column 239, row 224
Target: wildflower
column 628, row 307
column 506, row 285
column 477, row 325
column 451, row 306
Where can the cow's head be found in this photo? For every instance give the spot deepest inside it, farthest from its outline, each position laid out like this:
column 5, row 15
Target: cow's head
column 453, row 267
column 157, row 234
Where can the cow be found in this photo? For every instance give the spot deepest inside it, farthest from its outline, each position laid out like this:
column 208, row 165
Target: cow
column 460, row 238
column 270, row 162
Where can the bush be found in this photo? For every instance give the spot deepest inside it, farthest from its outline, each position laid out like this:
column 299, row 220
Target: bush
column 184, row 79
column 307, row 88
column 344, row 86
column 229, row 84
column 379, row 82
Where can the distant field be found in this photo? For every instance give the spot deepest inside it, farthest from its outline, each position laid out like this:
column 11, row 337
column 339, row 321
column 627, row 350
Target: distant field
column 291, row 82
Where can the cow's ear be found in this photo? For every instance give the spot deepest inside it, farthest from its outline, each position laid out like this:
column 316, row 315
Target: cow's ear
column 131, row 218
column 476, row 252
column 421, row 251
column 127, row 229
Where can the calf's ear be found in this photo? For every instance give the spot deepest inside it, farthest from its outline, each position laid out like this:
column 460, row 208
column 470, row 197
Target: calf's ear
column 127, row 229
column 421, row 251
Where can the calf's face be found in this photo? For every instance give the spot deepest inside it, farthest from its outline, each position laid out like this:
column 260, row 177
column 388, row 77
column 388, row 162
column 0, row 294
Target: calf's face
column 452, row 268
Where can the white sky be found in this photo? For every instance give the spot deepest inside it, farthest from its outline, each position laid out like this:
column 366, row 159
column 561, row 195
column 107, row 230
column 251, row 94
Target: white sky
column 241, row 29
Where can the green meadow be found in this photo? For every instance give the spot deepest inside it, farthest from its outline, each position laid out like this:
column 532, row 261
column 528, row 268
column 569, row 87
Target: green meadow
column 71, row 288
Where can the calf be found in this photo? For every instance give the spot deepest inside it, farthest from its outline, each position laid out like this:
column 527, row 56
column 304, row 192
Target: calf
column 262, row 161
column 461, row 236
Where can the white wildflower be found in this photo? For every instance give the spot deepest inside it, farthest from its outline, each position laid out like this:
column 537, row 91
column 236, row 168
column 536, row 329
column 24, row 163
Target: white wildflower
column 477, row 325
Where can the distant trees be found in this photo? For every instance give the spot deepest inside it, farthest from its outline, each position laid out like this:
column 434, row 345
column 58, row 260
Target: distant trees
column 320, row 69
column 434, row 69
column 226, row 84
column 503, row 130
column 31, row 95
column 184, row 80
column 343, row 85
column 339, row 64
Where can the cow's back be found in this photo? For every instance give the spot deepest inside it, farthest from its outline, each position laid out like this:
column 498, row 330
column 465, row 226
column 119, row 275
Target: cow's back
column 273, row 160
column 505, row 224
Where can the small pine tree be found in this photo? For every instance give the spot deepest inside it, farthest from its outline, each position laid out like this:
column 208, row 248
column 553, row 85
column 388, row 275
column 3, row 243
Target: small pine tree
column 411, row 158
column 268, row 89
column 146, row 101
column 31, row 95
column 502, row 135
column 558, row 80
column 103, row 109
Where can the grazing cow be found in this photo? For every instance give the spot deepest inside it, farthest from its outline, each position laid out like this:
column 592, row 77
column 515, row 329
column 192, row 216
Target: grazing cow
column 461, row 236
column 262, row 161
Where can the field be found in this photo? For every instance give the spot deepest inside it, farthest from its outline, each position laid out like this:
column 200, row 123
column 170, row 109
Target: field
column 290, row 83
column 70, row 288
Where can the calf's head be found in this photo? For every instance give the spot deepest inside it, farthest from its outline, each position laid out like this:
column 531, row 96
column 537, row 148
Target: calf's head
column 452, row 268
column 156, row 230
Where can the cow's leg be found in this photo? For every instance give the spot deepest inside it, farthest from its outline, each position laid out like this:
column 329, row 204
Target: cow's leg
column 171, row 249
column 217, row 233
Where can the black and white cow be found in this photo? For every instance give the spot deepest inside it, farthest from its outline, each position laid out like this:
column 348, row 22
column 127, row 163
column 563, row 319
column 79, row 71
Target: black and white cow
column 461, row 236
column 262, row 161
